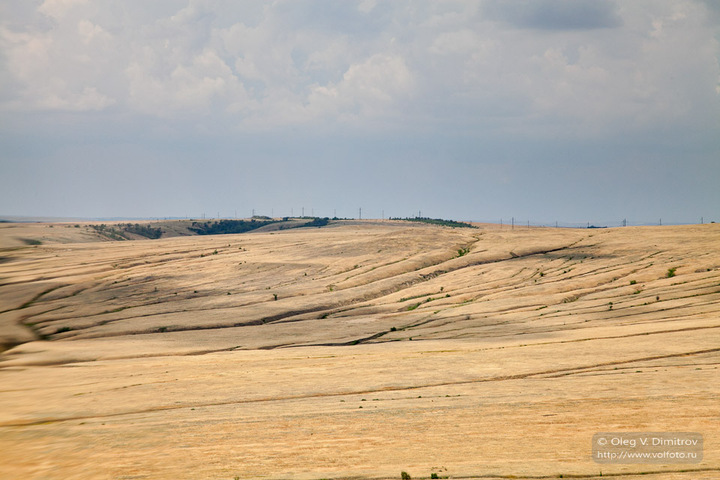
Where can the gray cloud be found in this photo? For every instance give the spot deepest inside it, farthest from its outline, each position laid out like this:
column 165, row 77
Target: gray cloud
column 555, row 14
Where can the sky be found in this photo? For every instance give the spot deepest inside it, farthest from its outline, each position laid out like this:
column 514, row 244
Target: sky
column 542, row 110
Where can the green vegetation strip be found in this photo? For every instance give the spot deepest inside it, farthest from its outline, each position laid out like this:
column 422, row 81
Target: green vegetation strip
column 437, row 221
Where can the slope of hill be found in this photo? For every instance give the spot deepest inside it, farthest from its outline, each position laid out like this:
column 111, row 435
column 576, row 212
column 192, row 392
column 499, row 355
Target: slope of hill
column 358, row 350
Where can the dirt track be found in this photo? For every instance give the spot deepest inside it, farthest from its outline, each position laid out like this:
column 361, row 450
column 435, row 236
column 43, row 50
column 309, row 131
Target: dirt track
column 355, row 351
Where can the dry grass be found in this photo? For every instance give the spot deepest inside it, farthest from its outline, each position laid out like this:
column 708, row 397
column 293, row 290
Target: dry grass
column 357, row 350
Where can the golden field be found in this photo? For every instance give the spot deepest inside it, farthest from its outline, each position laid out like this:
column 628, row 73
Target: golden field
column 358, row 350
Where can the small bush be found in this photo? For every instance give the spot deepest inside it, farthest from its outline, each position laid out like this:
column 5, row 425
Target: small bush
column 228, row 226
column 142, row 230
column 632, row 282
column 671, row 272
column 437, row 221
column 405, row 476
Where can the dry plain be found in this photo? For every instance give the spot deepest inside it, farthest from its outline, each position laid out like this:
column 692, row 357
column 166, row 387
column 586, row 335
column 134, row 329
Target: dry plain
column 356, row 350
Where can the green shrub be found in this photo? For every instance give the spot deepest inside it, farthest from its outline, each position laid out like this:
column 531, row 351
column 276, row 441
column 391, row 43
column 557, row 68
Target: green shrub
column 108, row 232
column 143, row 230
column 31, row 241
column 671, row 272
column 437, row 221
column 228, row 226
column 317, row 222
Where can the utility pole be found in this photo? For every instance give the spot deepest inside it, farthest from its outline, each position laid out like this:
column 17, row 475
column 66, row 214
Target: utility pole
column 360, row 213
column 513, row 223
column 303, row 212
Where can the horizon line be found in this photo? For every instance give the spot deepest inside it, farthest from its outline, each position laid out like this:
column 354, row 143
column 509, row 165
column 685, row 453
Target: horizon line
column 511, row 221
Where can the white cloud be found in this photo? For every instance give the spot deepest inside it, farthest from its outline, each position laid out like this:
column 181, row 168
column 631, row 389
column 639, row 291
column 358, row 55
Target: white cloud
column 205, row 80
column 57, row 9
column 460, row 41
column 368, row 91
column 382, row 78
column 448, row 62
column 89, row 32
column 87, row 100
column 26, row 55
column 31, row 58
column 367, row 6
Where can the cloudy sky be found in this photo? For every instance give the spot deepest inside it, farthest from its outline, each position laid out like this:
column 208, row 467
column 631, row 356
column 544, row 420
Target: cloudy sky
column 545, row 110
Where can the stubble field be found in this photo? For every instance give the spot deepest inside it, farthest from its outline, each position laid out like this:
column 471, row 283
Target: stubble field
column 357, row 350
